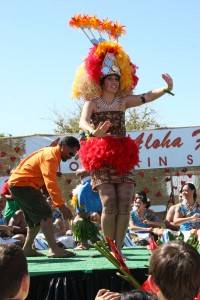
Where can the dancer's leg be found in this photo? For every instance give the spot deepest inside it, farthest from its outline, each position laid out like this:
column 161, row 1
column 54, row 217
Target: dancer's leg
column 124, row 193
column 107, row 194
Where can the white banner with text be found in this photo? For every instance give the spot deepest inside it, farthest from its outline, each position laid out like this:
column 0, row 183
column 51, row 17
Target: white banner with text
column 160, row 148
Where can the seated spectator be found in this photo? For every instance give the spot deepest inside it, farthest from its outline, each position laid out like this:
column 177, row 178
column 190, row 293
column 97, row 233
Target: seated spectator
column 14, row 276
column 187, row 214
column 105, row 294
column 142, row 218
column 174, row 272
column 11, row 204
column 169, row 220
column 86, row 202
column 19, row 226
column 7, row 232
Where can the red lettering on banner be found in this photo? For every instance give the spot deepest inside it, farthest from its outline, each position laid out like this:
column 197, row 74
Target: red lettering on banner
column 196, row 132
column 166, row 142
column 139, row 140
column 149, row 162
column 162, row 161
column 190, row 159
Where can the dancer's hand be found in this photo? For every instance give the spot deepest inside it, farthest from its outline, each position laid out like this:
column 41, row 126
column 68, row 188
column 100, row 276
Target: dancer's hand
column 101, row 130
column 168, row 80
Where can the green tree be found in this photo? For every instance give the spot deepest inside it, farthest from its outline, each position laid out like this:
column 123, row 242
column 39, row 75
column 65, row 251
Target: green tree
column 67, row 122
column 139, row 118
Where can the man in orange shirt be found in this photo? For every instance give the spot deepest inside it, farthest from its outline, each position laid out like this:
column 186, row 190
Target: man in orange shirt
column 36, row 170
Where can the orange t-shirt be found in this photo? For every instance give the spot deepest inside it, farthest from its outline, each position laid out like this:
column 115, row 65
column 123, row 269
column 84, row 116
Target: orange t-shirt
column 40, row 168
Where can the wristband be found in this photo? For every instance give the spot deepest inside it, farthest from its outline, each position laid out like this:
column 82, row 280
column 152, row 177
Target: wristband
column 90, row 133
column 166, row 90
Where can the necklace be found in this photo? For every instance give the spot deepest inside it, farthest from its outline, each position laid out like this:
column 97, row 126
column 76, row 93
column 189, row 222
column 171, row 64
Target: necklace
column 114, row 104
column 191, row 207
column 140, row 217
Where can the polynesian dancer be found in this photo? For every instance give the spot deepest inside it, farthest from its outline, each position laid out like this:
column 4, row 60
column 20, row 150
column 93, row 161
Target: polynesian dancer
column 105, row 81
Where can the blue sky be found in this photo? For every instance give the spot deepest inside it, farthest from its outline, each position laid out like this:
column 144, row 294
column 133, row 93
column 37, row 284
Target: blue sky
column 39, row 54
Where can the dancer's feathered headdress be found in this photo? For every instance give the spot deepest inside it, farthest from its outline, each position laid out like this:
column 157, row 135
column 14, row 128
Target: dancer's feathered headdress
column 105, row 57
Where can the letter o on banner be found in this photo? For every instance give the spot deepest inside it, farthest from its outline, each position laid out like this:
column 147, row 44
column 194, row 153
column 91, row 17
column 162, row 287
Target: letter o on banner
column 73, row 166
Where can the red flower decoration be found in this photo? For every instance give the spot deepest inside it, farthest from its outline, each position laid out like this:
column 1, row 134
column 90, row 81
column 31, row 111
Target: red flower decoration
column 117, row 255
column 184, row 170
column 158, row 194
column 146, row 286
column 17, row 149
column 167, row 170
column 3, row 153
column 175, row 187
column 167, row 179
column 141, row 174
column 189, row 175
column 154, row 179
column 12, row 158
column 183, row 182
column 146, row 190
column 152, row 244
column 177, row 174
column 198, row 297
